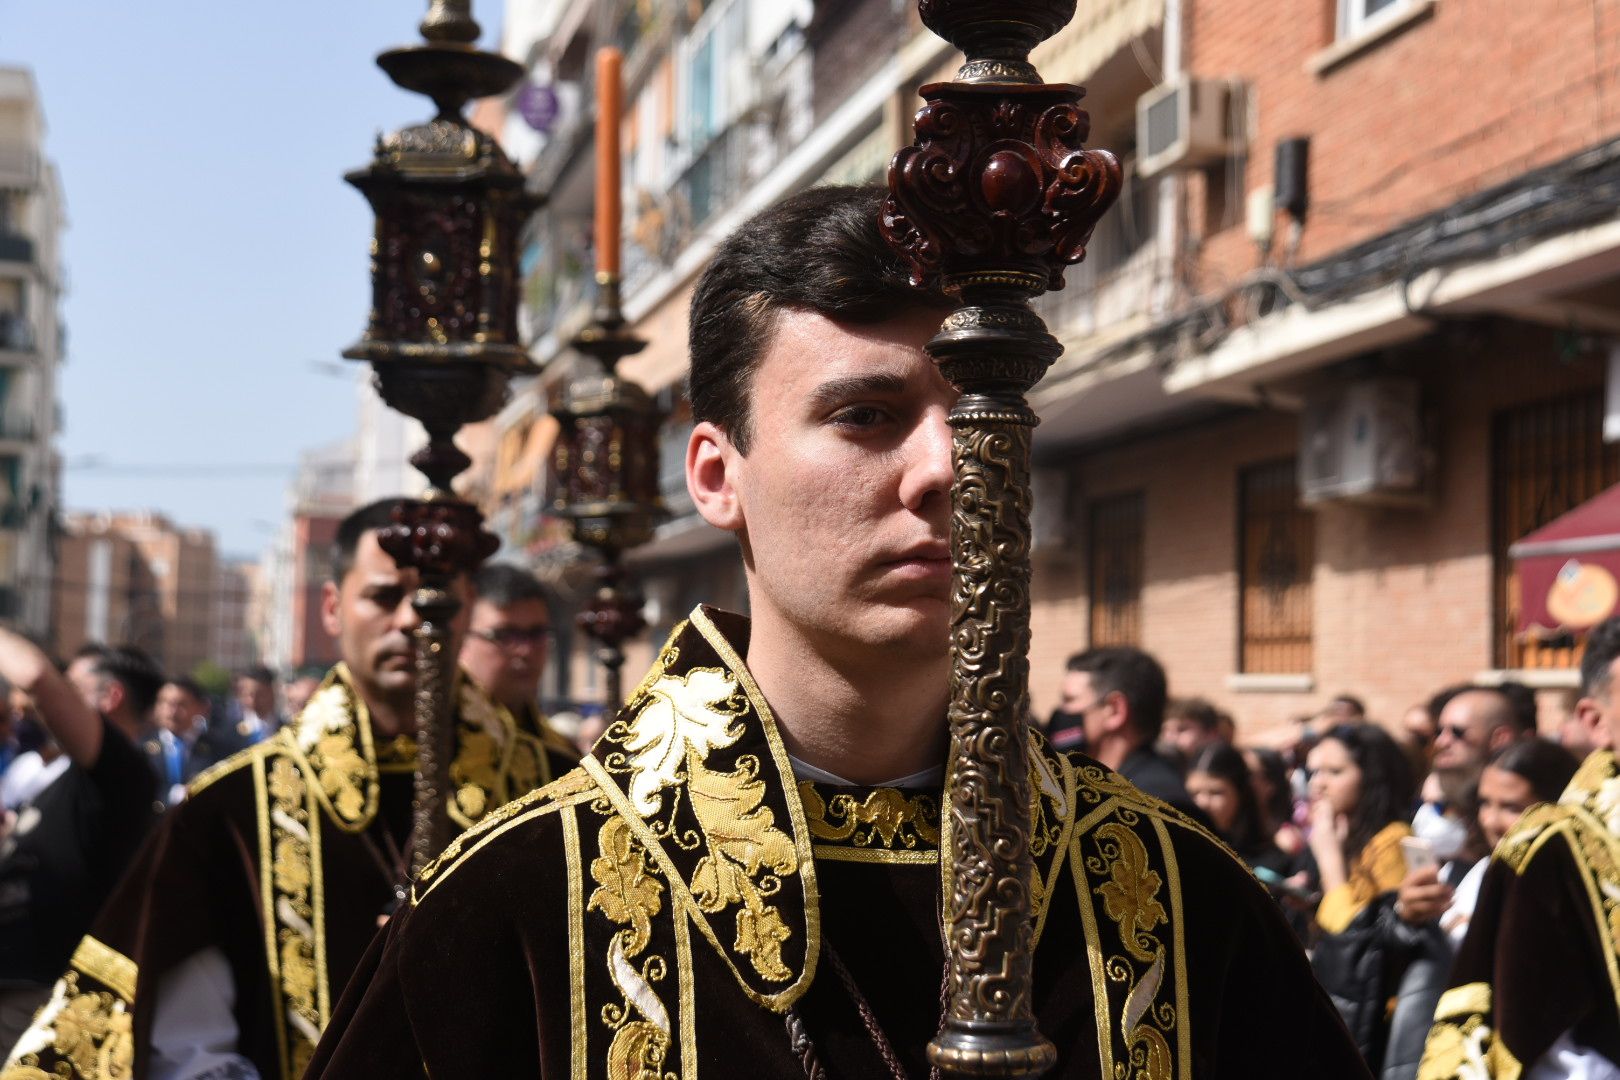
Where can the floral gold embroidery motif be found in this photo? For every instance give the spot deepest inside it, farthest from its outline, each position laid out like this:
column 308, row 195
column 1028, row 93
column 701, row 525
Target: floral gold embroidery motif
column 1129, row 892
column 626, row 893
column 1130, row 897
column 679, row 720
column 886, row 818
column 629, row 894
column 294, row 865
column 1461, row 1044
column 90, row 1029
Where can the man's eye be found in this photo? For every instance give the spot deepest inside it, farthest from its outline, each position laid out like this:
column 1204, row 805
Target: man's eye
column 859, row 416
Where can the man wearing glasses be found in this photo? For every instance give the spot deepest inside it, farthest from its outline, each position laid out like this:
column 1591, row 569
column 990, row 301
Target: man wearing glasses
column 506, row 646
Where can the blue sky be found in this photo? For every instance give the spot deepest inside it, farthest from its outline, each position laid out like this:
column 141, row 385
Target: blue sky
column 217, row 260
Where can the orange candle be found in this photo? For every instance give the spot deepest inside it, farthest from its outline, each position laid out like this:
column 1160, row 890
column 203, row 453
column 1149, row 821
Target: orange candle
column 609, row 107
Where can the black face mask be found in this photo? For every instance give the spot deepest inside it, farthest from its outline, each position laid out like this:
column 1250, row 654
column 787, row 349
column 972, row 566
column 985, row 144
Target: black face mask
column 1067, row 730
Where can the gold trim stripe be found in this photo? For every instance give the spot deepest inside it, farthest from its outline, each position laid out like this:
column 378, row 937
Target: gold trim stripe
column 1172, row 873
column 578, row 1034
column 836, row 853
column 108, row 966
column 688, row 1002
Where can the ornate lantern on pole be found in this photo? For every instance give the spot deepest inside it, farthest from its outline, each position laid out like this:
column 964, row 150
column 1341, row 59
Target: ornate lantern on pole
column 606, row 456
column 996, row 197
column 442, row 339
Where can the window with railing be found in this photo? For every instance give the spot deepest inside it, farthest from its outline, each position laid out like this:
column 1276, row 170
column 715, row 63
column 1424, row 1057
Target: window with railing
column 1116, row 570
column 1276, row 564
column 1546, row 459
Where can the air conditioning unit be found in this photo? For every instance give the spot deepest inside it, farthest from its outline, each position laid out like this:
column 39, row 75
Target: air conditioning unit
column 1363, row 442
column 1188, row 122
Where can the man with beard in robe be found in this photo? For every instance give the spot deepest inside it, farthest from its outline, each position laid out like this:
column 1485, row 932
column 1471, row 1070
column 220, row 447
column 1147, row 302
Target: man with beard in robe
column 228, row 941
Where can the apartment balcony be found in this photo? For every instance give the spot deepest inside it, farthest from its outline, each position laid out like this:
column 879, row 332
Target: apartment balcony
column 16, row 435
column 15, row 248
column 19, row 166
column 16, row 338
column 1111, row 293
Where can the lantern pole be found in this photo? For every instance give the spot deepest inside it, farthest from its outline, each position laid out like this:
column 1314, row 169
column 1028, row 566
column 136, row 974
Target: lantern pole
column 442, row 341
column 606, row 456
column 996, row 196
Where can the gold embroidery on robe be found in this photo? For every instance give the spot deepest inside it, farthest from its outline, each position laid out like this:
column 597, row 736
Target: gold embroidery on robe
column 886, row 818
column 88, row 1027
column 1461, row 1044
column 629, row 894
column 677, row 721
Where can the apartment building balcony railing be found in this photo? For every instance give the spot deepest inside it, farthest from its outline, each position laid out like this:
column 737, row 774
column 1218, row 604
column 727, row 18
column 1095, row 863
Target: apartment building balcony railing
column 715, row 178
column 15, row 333
column 16, row 248
column 16, row 431
column 1114, row 286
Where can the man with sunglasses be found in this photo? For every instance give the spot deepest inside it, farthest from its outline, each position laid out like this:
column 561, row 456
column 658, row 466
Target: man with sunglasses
column 507, row 643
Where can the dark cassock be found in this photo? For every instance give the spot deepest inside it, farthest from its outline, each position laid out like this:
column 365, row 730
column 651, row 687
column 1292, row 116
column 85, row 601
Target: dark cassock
column 1537, row 978
column 254, row 901
column 683, row 905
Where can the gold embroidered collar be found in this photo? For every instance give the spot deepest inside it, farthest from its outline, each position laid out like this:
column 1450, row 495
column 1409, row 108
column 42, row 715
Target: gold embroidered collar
column 696, row 768
column 333, row 739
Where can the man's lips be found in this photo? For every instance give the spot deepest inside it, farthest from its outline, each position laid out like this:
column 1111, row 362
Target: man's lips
column 923, row 562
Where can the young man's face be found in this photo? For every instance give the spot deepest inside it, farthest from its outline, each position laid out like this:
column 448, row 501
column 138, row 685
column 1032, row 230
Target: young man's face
column 843, row 500
column 370, row 614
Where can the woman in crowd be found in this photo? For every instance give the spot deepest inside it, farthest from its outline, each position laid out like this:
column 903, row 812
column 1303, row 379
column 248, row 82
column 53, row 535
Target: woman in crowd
column 1521, row 775
column 1268, row 773
column 1219, row 783
column 1361, row 797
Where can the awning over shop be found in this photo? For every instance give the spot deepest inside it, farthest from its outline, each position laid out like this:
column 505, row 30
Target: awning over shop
column 1569, row 569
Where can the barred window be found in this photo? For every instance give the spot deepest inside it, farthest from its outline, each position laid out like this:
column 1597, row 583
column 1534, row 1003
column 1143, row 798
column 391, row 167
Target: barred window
column 1546, row 459
column 1116, row 570
column 1276, row 560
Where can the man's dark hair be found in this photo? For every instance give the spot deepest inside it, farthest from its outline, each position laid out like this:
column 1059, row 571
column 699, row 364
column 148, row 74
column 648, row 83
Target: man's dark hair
column 1602, row 647
column 257, row 673
column 370, row 517
column 134, row 670
column 504, row 584
column 1197, row 709
column 1546, row 765
column 1130, row 672
column 1355, row 704
column 820, row 251
column 1523, row 701
column 188, row 685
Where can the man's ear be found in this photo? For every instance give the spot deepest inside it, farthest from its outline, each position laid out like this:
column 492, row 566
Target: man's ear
column 1118, row 711
column 1500, row 737
column 113, row 696
column 331, row 621
column 1589, row 713
column 711, row 475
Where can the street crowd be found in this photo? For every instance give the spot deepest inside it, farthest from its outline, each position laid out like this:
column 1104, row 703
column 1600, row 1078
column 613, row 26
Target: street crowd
column 1374, row 844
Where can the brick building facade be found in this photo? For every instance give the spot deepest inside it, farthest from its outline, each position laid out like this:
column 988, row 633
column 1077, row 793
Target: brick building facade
column 1453, row 259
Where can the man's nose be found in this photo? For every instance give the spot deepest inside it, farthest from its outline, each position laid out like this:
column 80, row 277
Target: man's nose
column 928, row 462
column 405, row 616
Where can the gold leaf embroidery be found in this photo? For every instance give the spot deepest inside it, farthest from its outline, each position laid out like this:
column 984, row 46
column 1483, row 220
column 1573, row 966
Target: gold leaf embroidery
column 291, row 867
column 90, row 1029
column 1130, row 897
column 760, row 934
column 885, row 818
column 681, row 716
column 637, row 1052
column 341, row 772
column 286, row 783
column 625, row 892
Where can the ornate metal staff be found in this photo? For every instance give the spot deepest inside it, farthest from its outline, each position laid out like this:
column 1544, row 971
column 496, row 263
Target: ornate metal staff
column 606, row 456
column 442, row 339
column 994, row 199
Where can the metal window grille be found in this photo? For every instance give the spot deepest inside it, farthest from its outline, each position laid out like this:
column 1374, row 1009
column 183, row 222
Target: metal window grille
column 1547, row 459
column 1116, row 570
column 1276, row 562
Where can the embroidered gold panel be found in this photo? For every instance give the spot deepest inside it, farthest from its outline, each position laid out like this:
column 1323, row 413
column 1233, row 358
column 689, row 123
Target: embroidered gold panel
column 697, row 771
column 877, row 825
column 86, row 1022
column 1461, row 1044
column 1129, row 892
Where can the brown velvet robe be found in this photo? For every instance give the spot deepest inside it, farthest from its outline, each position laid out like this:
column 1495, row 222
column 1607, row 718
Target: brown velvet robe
column 282, row 857
column 1540, row 957
column 658, row 911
